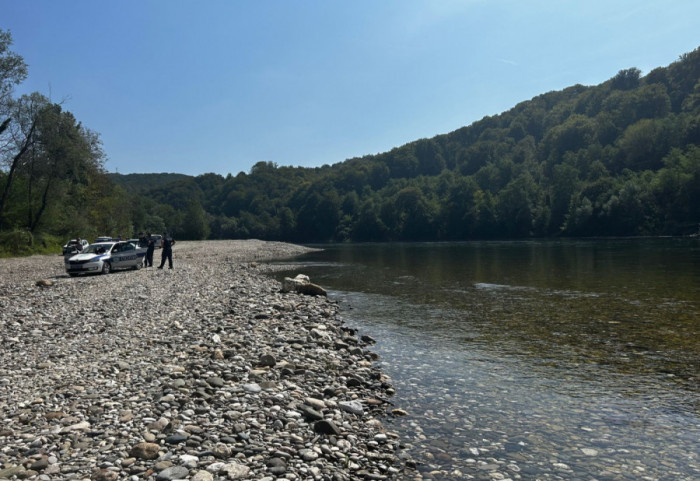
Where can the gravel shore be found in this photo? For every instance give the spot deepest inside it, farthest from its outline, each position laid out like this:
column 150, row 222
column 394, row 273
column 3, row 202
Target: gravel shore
column 203, row 372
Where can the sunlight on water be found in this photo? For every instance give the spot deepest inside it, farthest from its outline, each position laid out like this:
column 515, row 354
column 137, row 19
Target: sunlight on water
column 574, row 360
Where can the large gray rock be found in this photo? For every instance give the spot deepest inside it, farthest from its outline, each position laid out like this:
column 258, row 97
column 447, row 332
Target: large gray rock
column 145, row 451
column 172, row 473
column 235, row 471
column 203, row 476
column 352, row 407
column 303, row 285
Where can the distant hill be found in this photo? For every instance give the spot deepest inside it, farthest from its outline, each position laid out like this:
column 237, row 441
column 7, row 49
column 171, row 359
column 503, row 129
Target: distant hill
column 617, row 159
column 141, row 183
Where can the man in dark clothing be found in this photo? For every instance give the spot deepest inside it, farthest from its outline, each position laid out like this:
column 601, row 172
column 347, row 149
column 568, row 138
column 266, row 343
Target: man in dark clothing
column 150, row 246
column 167, row 251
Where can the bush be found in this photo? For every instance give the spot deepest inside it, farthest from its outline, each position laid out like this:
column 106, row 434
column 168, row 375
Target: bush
column 16, row 243
column 47, row 244
column 19, row 242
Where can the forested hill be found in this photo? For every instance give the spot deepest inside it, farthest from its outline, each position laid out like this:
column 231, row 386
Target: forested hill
column 143, row 183
column 618, row 159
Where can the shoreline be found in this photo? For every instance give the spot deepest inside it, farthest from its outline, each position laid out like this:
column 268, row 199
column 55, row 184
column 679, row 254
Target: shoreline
column 206, row 371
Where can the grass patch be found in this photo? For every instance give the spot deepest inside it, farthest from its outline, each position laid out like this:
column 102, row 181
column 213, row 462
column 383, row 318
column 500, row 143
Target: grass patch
column 21, row 243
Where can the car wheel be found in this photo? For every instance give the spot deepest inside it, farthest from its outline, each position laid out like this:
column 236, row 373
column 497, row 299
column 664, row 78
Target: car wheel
column 106, row 268
column 137, row 266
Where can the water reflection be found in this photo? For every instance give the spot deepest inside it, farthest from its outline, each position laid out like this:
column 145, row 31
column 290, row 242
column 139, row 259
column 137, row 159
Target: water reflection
column 555, row 359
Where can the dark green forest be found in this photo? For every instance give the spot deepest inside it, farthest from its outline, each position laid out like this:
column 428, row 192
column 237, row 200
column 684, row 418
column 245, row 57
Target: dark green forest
column 617, row 159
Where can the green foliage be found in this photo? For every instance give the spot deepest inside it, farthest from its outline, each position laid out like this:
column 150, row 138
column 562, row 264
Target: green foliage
column 15, row 243
column 620, row 158
column 13, row 69
column 195, row 225
column 143, row 183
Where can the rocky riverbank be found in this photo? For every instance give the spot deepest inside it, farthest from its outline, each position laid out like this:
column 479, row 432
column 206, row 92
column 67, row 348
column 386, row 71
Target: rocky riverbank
column 203, row 372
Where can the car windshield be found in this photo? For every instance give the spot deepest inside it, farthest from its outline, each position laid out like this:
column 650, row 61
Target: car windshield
column 97, row 248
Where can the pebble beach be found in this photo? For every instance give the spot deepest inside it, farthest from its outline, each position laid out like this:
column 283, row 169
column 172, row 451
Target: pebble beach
column 207, row 371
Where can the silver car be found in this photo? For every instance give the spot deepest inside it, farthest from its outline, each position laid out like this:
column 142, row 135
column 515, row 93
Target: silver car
column 71, row 246
column 105, row 257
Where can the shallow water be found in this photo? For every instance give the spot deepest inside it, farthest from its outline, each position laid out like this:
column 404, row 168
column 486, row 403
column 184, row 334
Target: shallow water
column 533, row 360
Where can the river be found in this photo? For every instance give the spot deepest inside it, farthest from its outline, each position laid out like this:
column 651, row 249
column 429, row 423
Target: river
column 563, row 360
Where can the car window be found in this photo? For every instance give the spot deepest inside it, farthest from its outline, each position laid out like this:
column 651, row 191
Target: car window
column 128, row 247
column 96, row 249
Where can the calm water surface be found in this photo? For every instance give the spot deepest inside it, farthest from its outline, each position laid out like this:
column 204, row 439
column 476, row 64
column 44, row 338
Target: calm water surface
column 572, row 360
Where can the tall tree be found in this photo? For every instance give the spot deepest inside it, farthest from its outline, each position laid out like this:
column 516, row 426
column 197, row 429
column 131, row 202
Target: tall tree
column 195, row 225
column 21, row 135
column 65, row 157
column 13, row 71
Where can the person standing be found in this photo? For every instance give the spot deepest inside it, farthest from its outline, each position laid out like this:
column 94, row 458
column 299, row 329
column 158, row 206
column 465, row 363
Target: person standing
column 150, row 246
column 167, row 251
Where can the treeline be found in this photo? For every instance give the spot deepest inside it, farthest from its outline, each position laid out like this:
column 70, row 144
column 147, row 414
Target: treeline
column 52, row 182
column 617, row 159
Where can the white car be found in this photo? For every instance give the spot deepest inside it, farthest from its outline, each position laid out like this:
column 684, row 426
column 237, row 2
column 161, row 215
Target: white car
column 71, row 246
column 157, row 241
column 105, row 257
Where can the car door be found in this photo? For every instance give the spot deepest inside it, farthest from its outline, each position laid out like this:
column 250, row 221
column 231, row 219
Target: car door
column 129, row 257
column 116, row 255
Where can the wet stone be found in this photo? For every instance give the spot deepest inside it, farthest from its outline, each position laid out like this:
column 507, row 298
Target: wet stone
column 176, row 439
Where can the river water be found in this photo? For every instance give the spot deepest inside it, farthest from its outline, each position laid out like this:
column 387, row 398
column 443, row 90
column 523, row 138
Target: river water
column 535, row 360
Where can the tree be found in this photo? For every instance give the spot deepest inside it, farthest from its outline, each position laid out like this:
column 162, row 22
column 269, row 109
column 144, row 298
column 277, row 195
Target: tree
column 415, row 215
column 369, row 226
column 402, row 162
column 53, row 156
column 484, row 214
column 430, row 160
column 627, row 211
column 676, row 189
column 576, row 133
column 65, row 158
column 13, row 71
column 515, row 207
column 579, row 217
column 626, row 79
column 564, row 183
column 195, row 225
column 458, row 209
column 21, row 137
column 318, row 217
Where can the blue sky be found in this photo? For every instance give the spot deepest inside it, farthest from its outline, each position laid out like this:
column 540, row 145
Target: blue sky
column 218, row 85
